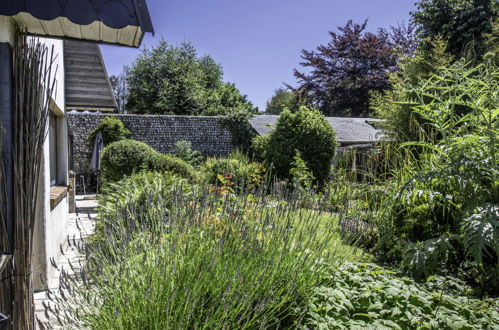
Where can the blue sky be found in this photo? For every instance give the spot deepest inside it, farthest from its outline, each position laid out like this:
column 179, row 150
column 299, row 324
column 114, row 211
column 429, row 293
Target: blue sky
column 258, row 42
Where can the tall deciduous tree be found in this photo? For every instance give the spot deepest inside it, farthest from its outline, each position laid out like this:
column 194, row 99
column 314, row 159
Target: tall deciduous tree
column 341, row 74
column 282, row 100
column 119, row 86
column 463, row 24
column 175, row 80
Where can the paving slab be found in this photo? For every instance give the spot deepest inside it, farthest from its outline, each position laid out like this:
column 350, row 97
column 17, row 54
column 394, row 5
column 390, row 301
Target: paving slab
column 81, row 225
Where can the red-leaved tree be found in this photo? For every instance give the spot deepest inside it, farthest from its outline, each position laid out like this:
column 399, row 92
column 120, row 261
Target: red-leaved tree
column 340, row 75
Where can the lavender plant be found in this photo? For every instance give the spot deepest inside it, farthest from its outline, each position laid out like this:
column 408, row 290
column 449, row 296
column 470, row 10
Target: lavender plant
column 207, row 262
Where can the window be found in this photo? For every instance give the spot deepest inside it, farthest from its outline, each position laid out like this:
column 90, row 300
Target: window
column 53, row 149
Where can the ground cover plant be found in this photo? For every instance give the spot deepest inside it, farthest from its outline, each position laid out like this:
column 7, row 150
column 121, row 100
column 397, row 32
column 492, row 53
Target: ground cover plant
column 369, row 296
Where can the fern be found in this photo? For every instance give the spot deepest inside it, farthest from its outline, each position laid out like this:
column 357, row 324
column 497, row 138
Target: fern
column 480, row 233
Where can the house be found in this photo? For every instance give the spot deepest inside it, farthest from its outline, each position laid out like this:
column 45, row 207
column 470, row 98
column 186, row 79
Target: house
column 357, row 139
column 61, row 24
column 350, row 132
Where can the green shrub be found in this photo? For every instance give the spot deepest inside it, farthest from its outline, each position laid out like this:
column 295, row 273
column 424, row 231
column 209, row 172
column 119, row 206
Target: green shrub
column 126, row 157
column 259, row 146
column 183, row 150
column 234, row 170
column 308, row 132
column 112, row 130
column 300, row 174
column 369, row 297
column 169, row 163
column 240, row 128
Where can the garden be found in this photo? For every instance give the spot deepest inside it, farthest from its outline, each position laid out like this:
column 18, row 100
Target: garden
column 275, row 236
column 289, row 231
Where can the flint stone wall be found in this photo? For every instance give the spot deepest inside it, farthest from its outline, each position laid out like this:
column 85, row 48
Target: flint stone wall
column 160, row 132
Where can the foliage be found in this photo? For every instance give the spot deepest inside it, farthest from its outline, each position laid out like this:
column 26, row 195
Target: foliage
column 445, row 194
column 125, row 157
column 211, row 264
column 119, row 87
column 235, row 171
column 352, row 65
column 240, row 128
column 368, row 296
column 463, row 24
column 301, row 176
column 282, row 100
column 183, row 150
column 112, row 130
column 481, row 233
column 400, row 121
column 175, row 80
column 308, row 132
column 259, row 146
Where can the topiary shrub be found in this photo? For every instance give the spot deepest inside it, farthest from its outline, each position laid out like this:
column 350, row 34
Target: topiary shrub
column 112, row 130
column 123, row 158
column 308, row 132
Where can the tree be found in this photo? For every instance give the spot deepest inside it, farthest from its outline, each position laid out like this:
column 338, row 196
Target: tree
column 353, row 64
column 401, row 122
column 307, row 132
column 282, row 100
column 175, row 80
column 119, row 86
column 462, row 23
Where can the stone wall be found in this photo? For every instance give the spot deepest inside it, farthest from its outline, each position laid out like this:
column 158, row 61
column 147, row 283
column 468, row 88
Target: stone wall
column 160, row 132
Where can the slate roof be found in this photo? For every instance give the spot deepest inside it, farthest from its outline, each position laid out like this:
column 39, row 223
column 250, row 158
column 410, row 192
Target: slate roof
column 348, row 130
column 87, row 84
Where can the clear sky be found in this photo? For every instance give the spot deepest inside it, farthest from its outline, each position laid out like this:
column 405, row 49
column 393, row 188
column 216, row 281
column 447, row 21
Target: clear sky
column 257, row 42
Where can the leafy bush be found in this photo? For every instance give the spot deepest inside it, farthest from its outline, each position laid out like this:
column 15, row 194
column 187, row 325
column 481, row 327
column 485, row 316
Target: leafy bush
column 368, row 296
column 259, row 145
column 308, row 132
column 235, row 170
column 237, row 122
column 301, row 176
column 126, row 157
column 183, row 150
column 112, row 130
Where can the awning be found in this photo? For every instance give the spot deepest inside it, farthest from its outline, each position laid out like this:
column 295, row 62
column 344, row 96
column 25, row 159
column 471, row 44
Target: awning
column 118, row 22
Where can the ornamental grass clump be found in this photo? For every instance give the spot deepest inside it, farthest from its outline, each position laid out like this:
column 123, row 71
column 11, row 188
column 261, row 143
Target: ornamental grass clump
column 205, row 262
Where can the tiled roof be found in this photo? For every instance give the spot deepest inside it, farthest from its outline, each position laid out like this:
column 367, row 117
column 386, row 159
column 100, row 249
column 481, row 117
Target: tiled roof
column 348, row 130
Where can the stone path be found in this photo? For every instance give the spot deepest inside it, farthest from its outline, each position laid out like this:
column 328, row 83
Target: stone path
column 82, row 222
